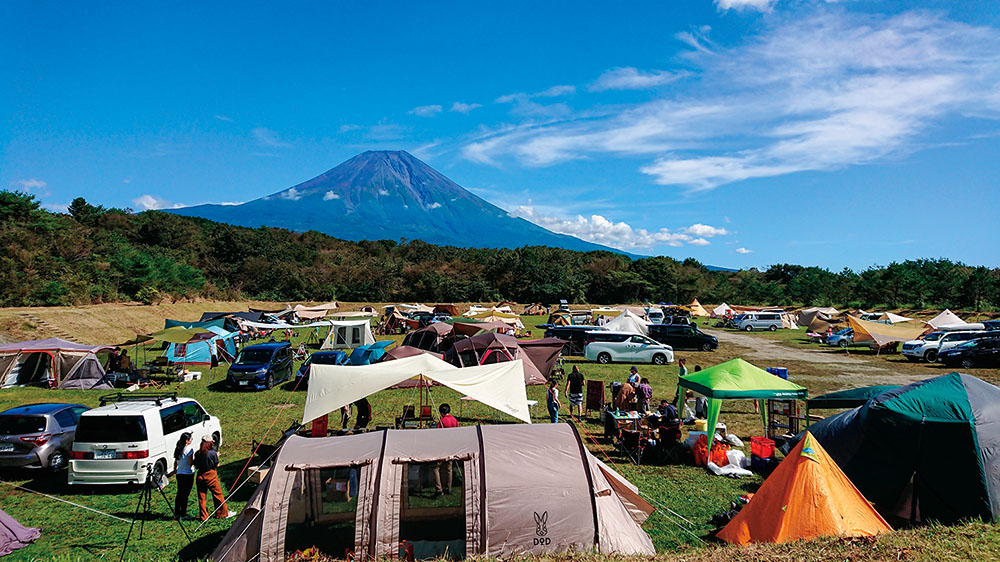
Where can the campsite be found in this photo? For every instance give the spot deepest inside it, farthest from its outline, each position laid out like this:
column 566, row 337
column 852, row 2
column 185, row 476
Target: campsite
column 683, row 498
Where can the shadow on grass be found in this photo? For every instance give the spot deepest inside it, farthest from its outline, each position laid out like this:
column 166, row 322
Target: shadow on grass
column 200, row 548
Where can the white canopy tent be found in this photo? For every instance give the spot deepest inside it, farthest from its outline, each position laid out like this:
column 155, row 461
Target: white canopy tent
column 895, row 318
column 628, row 321
column 345, row 334
column 946, row 318
column 722, row 310
column 499, row 385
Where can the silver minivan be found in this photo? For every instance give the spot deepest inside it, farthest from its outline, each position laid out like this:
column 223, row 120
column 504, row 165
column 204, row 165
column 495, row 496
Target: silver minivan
column 760, row 321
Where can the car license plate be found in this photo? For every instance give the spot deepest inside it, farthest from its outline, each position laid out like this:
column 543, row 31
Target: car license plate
column 6, row 447
column 244, row 383
column 104, row 454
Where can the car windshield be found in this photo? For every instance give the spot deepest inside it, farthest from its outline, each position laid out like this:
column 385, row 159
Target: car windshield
column 934, row 336
column 324, row 359
column 845, row 332
column 254, row 357
column 19, row 425
column 968, row 344
column 111, row 429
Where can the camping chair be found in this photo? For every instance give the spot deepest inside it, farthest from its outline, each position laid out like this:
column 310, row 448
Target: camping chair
column 670, row 443
column 631, row 444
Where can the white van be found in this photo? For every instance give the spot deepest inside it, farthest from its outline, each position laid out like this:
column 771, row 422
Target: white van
column 116, row 443
column 759, row 321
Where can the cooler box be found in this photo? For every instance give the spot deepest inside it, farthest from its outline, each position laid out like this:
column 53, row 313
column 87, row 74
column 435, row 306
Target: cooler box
column 781, row 372
column 701, row 425
column 762, row 447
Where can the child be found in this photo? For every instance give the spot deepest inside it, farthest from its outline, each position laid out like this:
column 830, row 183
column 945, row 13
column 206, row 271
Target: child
column 552, row 401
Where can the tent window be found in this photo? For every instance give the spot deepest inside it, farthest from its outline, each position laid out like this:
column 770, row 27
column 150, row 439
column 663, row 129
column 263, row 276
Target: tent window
column 355, row 336
column 433, row 521
column 341, row 335
column 322, row 512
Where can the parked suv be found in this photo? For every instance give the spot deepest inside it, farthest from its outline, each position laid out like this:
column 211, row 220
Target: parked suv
column 679, row 336
column 116, row 443
column 934, row 343
column 759, row 321
column 575, row 337
column 605, row 347
column 261, row 366
column 319, row 358
column 980, row 352
column 38, row 435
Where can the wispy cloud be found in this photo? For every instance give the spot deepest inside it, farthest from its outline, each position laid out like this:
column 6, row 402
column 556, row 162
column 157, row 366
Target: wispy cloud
column 348, row 127
column 759, row 5
column 224, row 118
column 56, row 207
column 426, row 110
column 31, row 185
column 621, row 235
column 459, row 107
column 152, row 202
column 434, row 205
column 267, row 137
column 553, row 92
column 630, row 78
column 742, row 250
column 812, row 93
column 330, row 196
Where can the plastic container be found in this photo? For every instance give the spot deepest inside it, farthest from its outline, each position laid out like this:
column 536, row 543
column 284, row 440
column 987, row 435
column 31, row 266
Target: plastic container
column 780, row 372
column 762, row 447
column 701, row 425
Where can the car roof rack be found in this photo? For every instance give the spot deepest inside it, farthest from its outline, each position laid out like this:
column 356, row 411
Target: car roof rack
column 158, row 397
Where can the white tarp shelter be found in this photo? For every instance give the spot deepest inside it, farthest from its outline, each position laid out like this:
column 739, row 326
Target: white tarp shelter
column 722, row 310
column 895, row 318
column 345, row 334
column 628, row 321
column 499, row 385
column 944, row 319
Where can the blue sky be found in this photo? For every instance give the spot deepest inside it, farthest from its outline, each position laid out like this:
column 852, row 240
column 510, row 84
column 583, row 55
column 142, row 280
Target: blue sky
column 739, row 132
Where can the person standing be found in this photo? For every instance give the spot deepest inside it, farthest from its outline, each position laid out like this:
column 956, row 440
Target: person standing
column 552, row 401
column 206, row 461
column 574, row 390
column 682, row 369
column 442, row 472
column 645, row 394
column 184, row 460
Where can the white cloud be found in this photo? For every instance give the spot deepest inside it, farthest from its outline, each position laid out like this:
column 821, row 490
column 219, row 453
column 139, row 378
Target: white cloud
column 742, row 250
column 224, row 118
column 630, row 78
column 31, row 185
column 349, row 127
column 383, row 192
column 290, row 194
column 56, row 207
column 426, row 110
column 127, row 180
column 230, row 203
column 267, row 137
column 460, row 107
column 705, row 230
column 330, row 195
column 553, row 92
column 434, row 205
column 812, row 93
column 760, row 5
column 152, row 202
column 600, row 230
column 697, row 38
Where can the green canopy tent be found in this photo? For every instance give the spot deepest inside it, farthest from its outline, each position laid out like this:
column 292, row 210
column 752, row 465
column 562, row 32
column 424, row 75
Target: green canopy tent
column 737, row 379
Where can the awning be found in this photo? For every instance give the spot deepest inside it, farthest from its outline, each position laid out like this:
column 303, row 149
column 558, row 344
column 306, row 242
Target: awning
column 883, row 334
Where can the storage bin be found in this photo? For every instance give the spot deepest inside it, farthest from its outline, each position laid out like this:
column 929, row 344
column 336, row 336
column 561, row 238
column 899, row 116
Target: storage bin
column 701, row 425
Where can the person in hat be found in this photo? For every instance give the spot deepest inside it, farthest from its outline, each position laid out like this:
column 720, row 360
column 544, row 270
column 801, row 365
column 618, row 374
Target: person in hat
column 633, row 377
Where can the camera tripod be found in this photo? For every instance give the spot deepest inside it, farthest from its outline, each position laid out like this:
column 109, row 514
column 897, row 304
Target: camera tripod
column 145, row 499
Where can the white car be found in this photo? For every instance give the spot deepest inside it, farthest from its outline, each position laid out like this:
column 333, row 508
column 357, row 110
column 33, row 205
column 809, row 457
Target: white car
column 134, row 435
column 936, row 342
column 606, row 347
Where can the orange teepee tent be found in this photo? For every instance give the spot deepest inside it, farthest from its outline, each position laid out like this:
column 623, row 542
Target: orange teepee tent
column 807, row 496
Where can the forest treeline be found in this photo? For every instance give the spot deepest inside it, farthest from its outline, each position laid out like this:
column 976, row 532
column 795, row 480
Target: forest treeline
column 96, row 255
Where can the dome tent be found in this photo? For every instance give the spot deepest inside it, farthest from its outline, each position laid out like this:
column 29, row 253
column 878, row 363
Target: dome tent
column 522, row 490
column 926, row 451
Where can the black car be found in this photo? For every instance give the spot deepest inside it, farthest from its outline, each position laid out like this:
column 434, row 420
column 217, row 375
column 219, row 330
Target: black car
column 261, row 366
column 980, row 352
column 575, row 337
column 683, row 336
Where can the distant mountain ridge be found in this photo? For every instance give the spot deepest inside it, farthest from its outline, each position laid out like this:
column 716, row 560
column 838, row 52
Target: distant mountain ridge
column 390, row 195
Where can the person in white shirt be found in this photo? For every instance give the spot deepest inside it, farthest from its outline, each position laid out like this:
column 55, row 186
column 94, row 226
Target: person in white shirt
column 184, row 459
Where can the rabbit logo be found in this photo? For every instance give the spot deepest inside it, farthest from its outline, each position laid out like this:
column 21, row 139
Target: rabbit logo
column 541, row 529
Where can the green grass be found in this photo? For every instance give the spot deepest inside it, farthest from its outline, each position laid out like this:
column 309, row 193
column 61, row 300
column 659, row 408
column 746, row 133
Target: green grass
column 686, row 497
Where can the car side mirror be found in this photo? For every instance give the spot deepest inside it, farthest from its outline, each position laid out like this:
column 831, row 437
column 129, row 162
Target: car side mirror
column 206, row 418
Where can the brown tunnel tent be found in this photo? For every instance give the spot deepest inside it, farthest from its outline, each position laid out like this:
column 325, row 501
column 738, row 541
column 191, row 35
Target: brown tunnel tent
column 514, row 490
column 52, row 363
column 539, row 356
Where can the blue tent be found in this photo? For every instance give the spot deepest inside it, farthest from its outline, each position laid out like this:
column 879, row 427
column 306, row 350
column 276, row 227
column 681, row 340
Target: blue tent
column 368, row 354
column 218, row 323
column 221, row 345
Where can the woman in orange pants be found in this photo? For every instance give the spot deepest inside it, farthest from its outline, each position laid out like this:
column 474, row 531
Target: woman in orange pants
column 206, row 460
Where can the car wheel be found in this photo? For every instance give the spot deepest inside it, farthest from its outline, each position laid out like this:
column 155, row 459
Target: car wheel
column 967, row 363
column 217, row 438
column 706, row 347
column 842, row 343
column 159, row 471
column 57, row 461
column 773, row 328
column 931, row 356
column 604, row 358
column 659, row 359
column 270, row 381
column 748, row 329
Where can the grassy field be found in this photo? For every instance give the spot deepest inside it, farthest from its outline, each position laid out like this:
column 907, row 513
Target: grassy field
column 686, row 497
